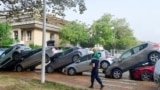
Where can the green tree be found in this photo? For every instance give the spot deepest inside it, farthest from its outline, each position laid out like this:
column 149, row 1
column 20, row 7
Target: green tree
column 5, row 34
column 112, row 33
column 74, row 33
column 123, row 36
column 102, row 31
column 33, row 7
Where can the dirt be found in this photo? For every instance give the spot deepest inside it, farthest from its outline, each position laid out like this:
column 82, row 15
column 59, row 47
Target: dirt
column 83, row 81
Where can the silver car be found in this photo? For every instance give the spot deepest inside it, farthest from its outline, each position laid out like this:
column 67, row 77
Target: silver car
column 33, row 59
column 79, row 66
column 13, row 55
column 82, row 65
column 156, row 74
column 144, row 53
column 106, row 59
column 62, row 59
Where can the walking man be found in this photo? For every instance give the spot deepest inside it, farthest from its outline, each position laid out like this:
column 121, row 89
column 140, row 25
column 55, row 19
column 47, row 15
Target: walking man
column 94, row 73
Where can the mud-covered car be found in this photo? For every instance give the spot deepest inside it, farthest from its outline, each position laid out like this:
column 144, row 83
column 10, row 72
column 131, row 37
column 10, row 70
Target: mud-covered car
column 144, row 53
column 62, row 59
column 10, row 57
column 33, row 59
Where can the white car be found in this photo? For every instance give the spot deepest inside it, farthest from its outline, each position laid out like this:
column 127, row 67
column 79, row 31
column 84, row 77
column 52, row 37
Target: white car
column 106, row 59
column 156, row 75
column 13, row 55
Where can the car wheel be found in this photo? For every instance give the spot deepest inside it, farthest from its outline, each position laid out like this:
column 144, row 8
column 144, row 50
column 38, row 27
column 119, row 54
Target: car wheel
column 104, row 64
column 16, row 56
column 153, row 57
column 116, row 73
column 146, row 76
column 75, row 58
column 71, row 71
column 19, row 68
column 49, row 69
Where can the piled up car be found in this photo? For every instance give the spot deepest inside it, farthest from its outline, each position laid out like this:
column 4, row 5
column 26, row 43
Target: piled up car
column 32, row 59
column 134, row 57
column 10, row 57
column 82, row 64
column 62, row 59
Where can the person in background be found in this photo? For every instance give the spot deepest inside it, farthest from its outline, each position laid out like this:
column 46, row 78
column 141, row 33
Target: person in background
column 94, row 73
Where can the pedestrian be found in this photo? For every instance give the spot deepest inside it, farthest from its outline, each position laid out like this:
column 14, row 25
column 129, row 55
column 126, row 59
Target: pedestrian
column 94, row 73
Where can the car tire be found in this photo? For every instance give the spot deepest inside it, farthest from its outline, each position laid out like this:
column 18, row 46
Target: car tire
column 49, row 69
column 153, row 57
column 146, row 76
column 16, row 56
column 75, row 58
column 104, row 65
column 71, row 71
column 19, row 68
column 116, row 73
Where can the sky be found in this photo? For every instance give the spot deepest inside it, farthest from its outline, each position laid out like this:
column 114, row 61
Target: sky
column 143, row 16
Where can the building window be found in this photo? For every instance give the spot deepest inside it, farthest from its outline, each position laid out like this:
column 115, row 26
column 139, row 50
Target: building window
column 29, row 34
column 15, row 35
column 51, row 36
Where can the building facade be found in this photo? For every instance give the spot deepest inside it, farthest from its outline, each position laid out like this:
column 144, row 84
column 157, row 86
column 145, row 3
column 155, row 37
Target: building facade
column 28, row 30
column 32, row 31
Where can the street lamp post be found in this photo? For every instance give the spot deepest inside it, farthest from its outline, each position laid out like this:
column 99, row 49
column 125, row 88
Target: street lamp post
column 43, row 43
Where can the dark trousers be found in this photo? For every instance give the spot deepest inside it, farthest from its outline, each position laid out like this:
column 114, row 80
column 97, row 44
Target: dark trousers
column 94, row 75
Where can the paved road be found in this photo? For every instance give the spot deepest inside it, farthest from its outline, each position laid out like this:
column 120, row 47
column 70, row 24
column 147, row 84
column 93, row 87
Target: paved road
column 84, row 81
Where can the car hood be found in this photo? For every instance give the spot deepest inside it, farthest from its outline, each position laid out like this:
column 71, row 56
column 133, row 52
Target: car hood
column 145, row 67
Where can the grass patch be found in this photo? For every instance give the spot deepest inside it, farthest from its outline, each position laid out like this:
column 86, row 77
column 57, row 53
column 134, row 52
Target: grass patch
column 16, row 83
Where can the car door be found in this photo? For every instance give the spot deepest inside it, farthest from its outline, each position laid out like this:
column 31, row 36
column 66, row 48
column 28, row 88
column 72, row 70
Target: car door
column 34, row 59
column 141, row 54
column 125, row 60
column 66, row 58
column 83, row 65
column 58, row 60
